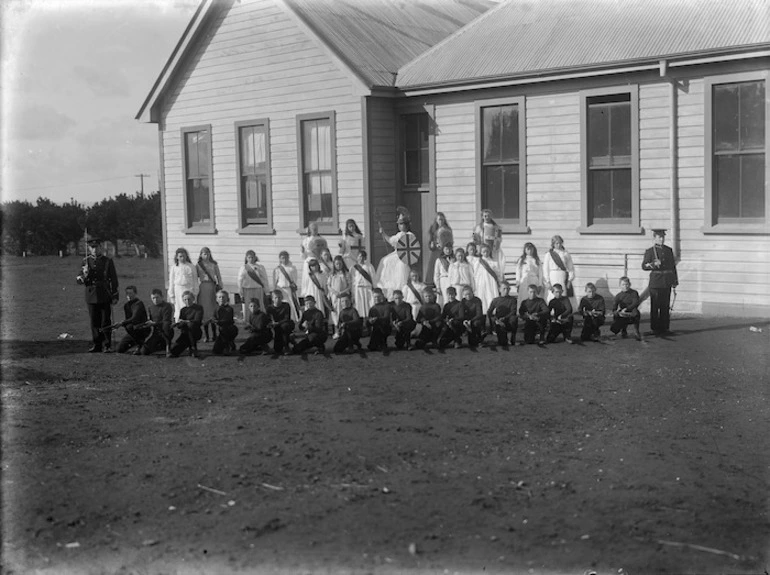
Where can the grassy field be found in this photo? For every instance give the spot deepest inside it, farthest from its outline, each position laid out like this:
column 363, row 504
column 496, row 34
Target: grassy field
column 614, row 457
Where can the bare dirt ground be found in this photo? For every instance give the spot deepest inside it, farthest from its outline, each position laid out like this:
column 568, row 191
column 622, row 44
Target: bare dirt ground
column 614, row 457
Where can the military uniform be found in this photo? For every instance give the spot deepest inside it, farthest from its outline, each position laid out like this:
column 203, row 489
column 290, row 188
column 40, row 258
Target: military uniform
column 659, row 260
column 100, row 279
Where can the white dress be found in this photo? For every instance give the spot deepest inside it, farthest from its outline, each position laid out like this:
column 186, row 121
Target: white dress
column 492, row 235
column 411, row 299
column 486, row 286
column 528, row 271
column 280, row 282
column 461, row 274
column 553, row 274
column 250, row 288
column 363, row 299
column 349, row 248
column 313, row 290
column 441, row 280
column 181, row 278
column 392, row 272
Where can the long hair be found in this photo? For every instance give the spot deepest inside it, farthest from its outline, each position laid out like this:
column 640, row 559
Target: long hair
column 434, row 226
column 556, row 238
column 491, row 219
column 355, row 226
column 181, row 251
column 208, row 251
column 340, row 259
column 534, row 252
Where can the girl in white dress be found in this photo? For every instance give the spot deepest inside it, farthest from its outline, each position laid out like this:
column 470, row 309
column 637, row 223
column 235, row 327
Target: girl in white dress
column 472, row 256
column 440, row 234
column 461, row 272
column 529, row 271
column 488, row 232
column 310, row 248
column 351, row 242
column 337, row 286
column 487, row 277
column 441, row 273
column 252, row 283
column 183, row 276
column 392, row 272
column 361, row 285
column 285, row 279
column 557, row 267
column 316, row 286
column 413, row 288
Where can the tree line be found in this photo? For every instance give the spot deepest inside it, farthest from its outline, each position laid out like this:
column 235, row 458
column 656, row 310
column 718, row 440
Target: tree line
column 46, row 228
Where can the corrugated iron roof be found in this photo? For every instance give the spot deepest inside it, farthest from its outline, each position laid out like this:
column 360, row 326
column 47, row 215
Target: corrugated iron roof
column 376, row 37
column 529, row 37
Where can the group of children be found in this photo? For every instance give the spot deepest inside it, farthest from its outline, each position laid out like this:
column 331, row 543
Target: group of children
column 417, row 324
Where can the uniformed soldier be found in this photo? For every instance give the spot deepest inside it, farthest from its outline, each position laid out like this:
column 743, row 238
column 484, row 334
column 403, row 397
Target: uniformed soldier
column 98, row 276
column 659, row 260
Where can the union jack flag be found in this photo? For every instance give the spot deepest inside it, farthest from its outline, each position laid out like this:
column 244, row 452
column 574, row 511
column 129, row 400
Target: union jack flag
column 408, row 249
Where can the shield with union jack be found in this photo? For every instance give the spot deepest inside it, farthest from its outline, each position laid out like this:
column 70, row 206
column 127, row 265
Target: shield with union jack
column 408, row 249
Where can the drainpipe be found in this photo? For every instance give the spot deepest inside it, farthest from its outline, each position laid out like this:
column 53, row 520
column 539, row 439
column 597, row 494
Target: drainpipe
column 673, row 155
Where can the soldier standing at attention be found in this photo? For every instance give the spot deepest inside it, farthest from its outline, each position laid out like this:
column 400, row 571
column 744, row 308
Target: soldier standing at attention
column 659, row 261
column 100, row 279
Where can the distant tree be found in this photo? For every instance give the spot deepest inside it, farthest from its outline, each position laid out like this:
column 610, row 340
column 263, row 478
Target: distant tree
column 134, row 218
column 17, row 223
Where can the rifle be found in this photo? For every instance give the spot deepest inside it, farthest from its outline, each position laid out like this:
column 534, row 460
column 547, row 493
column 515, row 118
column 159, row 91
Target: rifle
column 110, row 327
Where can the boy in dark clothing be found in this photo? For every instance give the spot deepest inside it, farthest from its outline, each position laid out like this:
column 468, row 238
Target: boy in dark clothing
column 403, row 321
column 475, row 320
column 453, row 315
column 350, row 326
column 430, row 320
column 502, row 315
column 259, row 327
column 560, row 312
column 626, row 310
column 189, row 324
column 534, row 312
column 161, row 314
column 224, row 319
column 380, row 321
column 592, row 309
column 136, row 318
column 313, row 322
column 280, row 318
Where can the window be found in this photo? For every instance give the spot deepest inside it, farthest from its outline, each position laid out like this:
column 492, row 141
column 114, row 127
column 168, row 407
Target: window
column 736, row 178
column 318, row 185
column 501, row 173
column 254, row 199
column 610, row 174
column 415, row 150
column 198, row 195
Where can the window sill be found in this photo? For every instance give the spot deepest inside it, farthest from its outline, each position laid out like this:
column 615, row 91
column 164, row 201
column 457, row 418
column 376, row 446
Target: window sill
column 737, row 229
column 626, row 229
column 255, row 230
column 200, row 230
column 511, row 228
column 323, row 229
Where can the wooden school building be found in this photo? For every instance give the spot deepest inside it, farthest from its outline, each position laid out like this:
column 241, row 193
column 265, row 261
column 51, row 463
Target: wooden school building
column 598, row 121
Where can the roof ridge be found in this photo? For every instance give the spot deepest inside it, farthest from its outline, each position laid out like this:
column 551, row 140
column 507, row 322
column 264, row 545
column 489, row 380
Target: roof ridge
column 455, row 34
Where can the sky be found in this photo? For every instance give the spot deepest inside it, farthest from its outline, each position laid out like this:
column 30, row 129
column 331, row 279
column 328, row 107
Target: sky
column 74, row 75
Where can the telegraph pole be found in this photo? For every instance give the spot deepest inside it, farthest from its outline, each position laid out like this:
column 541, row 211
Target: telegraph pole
column 142, row 177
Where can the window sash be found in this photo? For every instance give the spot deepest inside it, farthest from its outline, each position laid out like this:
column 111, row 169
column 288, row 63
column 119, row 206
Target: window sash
column 415, row 149
column 317, row 170
column 253, row 167
column 197, row 150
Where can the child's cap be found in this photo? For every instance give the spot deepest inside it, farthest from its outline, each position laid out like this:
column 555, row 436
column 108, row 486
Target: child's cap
column 659, row 232
column 309, row 298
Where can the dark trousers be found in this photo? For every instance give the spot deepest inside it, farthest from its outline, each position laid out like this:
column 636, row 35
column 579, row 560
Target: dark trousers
column 100, row 315
column 317, row 340
column 533, row 326
column 225, row 340
column 475, row 331
column 188, row 338
column 256, row 341
column 348, row 338
column 660, row 301
column 133, row 337
column 591, row 327
column 558, row 328
column 158, row 340
column 378, row 340
column 427, row 335
column 281, row 336
column 501, row 331
column 621, row 323
column 404, row 333
column 452, row 332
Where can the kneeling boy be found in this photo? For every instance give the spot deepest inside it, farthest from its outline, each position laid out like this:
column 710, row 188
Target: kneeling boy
column 313, row 322
column 592, row 309
column 189, row 324
column 349, row 328
column 161, row 314
column 560, row 311
column 280, row 313
column 503, row 316
column 534, row 312
column 224, row 319
column 430, row 320
column 259, row 327
column 626, row 310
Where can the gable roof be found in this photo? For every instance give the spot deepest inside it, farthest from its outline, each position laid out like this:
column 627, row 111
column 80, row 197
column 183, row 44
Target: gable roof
column 376, row 37
column 523, row 38
column 373, row 38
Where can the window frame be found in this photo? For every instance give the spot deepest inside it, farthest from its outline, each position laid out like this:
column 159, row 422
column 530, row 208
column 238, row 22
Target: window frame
column 509, row 226
column 189, row 227
column 323, row 227
column 401, row 150
column 711, row 224
column 243, row 227
column 633, row 226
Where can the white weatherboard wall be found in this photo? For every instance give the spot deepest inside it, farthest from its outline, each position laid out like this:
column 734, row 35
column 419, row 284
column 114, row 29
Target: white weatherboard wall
column 718, row 273
column 254, row 62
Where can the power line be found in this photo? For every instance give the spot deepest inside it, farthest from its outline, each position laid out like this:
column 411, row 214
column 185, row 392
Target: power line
column 72, row 184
